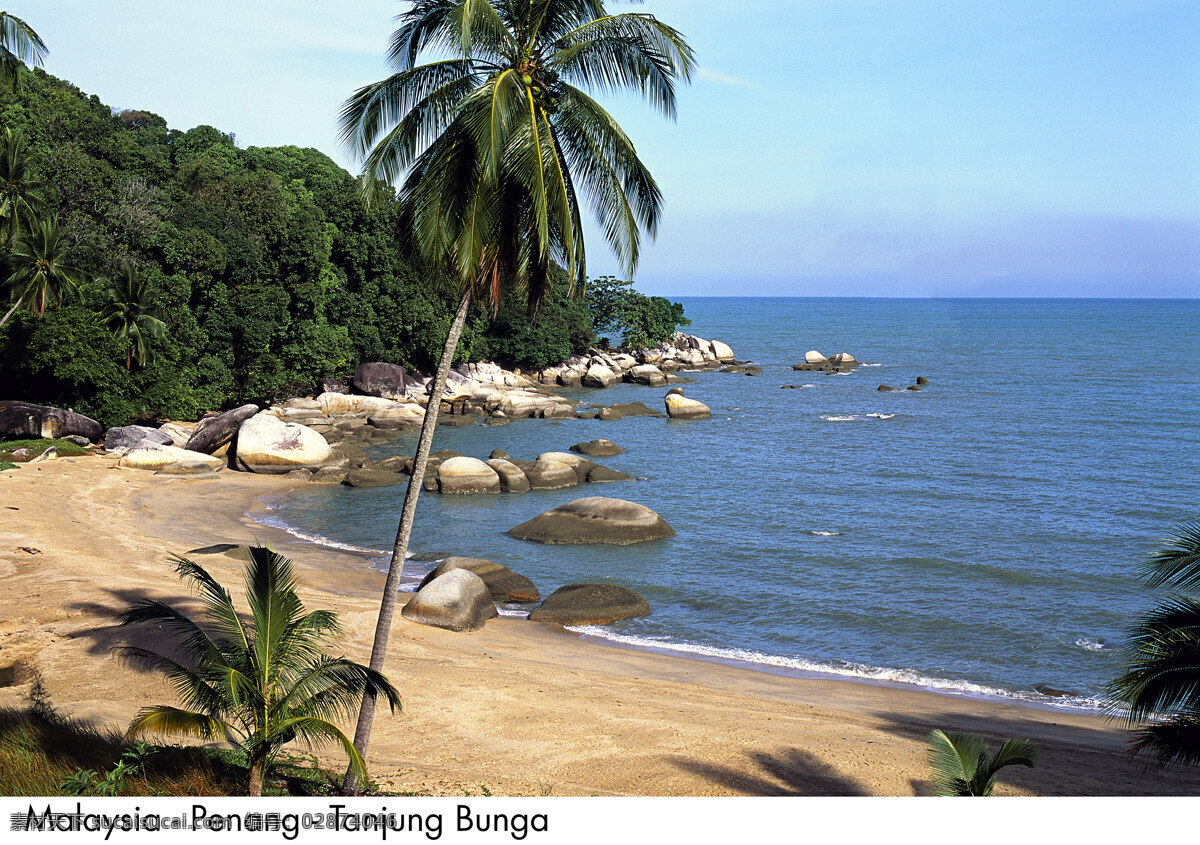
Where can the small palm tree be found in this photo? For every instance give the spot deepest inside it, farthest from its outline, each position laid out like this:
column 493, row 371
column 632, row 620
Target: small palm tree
column 963, row 766
column 19, row 45
column 39, row 272
column 259, row 683
column 1160, row 689
column 133, row 317
column 20, row 192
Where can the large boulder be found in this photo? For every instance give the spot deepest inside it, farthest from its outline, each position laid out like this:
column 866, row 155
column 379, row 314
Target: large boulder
column 512, row 477
column 267, row 444
column 179, row 434
column 217, row 430
column 580, row 464
column 646, row 374
column 599, row 375
column 549, row 475
column 399, row 415
column 598, row 448
column 502, row 582
column 458, row 600
column 812, row 356
column 24, row 419
column 721, row 351
column 590, row 604
column 158, row 457
column 128, row 436
column 596, row 519
column 379, row 379
column 467, row 475
column 598, row 474
column 679, row 407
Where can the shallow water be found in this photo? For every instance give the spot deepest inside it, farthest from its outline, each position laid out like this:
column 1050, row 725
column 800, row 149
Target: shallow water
column 981, row 535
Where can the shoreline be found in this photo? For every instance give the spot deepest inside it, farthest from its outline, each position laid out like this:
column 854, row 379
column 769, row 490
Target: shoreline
column 515, row 708
column 753, row 661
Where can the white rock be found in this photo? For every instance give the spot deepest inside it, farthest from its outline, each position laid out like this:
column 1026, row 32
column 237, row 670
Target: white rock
column 467, row 475
column 679, row 407
column 266, row 444
column 155, row 456
column 599, row 376
column 812, row 356
column 722, row 351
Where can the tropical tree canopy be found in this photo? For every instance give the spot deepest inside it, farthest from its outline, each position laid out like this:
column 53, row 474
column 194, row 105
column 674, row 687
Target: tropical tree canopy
column 133, row 317
column 260, row 683
column 502, row 145
column 963, row 766
column 1159, row 694
column 19, row 45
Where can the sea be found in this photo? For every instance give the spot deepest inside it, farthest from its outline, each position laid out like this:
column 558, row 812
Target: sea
column 979, row 537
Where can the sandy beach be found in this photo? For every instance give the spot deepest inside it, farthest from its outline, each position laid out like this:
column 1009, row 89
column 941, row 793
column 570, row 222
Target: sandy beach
column 514, row 709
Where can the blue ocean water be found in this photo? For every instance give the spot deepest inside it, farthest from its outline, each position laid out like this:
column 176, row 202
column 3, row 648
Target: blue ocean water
column 981, row 535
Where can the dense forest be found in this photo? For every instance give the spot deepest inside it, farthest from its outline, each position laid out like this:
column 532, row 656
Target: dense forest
column 208, row 275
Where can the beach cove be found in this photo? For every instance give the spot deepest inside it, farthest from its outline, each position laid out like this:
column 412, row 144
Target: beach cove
column 515, row 708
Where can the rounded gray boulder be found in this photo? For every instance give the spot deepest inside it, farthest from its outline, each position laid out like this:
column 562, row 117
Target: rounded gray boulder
column 595, row 519
column 502, row 582
column 590, row 604
column 458, row 600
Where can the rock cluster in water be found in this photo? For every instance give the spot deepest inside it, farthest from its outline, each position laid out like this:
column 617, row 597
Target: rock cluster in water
column 814, row 361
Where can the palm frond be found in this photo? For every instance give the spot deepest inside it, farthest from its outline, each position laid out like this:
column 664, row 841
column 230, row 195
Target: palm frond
column 176, row 722
column 1176, row 563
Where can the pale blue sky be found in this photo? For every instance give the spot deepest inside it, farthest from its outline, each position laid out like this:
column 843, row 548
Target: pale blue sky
column 864, row 147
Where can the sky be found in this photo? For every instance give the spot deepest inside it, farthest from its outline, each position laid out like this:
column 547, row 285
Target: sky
column 824, row 147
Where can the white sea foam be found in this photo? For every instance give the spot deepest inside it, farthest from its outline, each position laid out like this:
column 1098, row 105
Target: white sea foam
column 881, row 416
column 849, row 670
column 838, row 417
column 1090, row 645
column 820, row 533
column 870, row 365
column 275, row 522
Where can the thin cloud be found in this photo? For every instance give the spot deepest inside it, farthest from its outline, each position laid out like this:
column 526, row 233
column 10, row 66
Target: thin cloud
column 725, row 79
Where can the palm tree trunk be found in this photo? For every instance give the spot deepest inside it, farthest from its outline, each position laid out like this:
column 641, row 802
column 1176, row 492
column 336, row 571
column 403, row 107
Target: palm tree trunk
column 16, row 305
column 258, row 771
column 387, row 605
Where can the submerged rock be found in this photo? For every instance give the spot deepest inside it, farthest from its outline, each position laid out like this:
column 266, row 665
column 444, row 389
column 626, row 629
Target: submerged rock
column 595, row 519
column 590, row 604
column 598, row 448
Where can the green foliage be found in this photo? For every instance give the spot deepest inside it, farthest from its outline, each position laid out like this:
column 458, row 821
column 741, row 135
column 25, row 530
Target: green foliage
column 19, row 45
column 261, row 682
column 640, row 320
column 1159, row 694
column 962, row 765
column 561, row 328
column 65, row 448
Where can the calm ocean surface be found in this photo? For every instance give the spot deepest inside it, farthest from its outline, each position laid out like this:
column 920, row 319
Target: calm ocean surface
column 980, row 536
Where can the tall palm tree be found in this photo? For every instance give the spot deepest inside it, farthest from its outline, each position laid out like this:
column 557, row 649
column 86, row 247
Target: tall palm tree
column 19, row 45
column 133, row 317
column 499, row 145
column 20, row 191
column 38, row 270
column 962, row 765
column 1160, row 689
column 261, row 683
